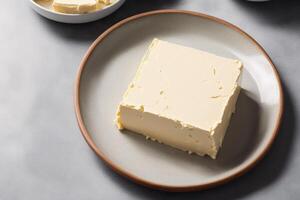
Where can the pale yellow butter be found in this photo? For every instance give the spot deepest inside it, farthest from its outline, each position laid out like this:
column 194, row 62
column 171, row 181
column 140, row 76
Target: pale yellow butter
column 181, row 97
column 106, row 2
column 75, row 6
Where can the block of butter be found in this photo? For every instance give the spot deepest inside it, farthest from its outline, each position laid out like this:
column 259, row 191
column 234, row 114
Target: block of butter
column 181, row 97
column 75, row 6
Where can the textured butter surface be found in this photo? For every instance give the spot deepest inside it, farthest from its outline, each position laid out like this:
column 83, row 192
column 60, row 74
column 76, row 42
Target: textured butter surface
column 194, row 89
column 75, row 6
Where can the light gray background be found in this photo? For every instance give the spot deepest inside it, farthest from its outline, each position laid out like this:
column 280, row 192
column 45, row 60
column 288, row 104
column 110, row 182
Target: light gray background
column 44, row 156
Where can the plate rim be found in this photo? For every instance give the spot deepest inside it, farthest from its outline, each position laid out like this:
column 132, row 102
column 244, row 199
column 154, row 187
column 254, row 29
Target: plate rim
column 147, row 183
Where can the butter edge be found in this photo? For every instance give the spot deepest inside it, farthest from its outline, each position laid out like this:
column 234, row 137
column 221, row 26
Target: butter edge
column 131, row 85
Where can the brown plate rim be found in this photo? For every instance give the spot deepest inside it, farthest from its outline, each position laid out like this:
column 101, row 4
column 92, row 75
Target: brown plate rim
column 142, row 181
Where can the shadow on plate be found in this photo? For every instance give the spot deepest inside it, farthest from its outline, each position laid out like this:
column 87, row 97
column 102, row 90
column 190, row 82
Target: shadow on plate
column 90, row 31
column 242, row 135
column 264, row 174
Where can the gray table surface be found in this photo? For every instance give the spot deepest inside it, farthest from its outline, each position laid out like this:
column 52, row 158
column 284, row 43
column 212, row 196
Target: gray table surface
column 44, row 156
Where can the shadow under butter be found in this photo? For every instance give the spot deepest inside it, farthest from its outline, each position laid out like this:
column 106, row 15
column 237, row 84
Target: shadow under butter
column 242, row 135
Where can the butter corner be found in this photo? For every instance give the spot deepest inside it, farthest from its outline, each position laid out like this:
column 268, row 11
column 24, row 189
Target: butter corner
column 118, row 120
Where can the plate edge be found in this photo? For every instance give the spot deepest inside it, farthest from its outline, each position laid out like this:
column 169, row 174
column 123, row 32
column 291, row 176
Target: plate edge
column 139, row 180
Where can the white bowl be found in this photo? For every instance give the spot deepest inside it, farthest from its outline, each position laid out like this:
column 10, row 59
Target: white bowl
column 75, row 18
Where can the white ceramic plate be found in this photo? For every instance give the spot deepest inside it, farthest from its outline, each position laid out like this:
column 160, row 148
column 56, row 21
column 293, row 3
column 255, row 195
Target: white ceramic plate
column 110, row 64
column 75, row 18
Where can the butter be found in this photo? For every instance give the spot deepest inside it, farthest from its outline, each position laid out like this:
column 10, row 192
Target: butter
column 106, row 2
column 75, row 6
column 181, row 97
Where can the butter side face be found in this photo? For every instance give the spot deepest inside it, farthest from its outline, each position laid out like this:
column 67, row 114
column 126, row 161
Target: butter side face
column 74, row 6
column 181, row 97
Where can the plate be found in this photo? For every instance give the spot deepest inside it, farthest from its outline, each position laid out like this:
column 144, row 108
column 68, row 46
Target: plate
column 110, row 64
column 75, row 18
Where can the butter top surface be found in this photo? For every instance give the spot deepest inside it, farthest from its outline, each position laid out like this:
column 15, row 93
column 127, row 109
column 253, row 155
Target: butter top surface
column 183, row 84
column 75, row 2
